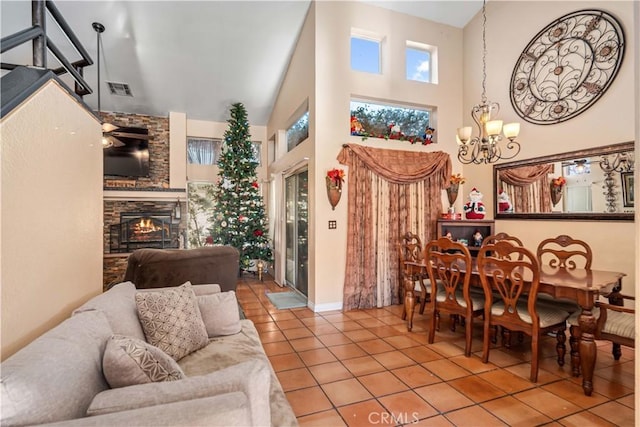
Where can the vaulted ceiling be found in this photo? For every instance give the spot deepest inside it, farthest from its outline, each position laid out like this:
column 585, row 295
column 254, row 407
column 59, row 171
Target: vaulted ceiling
column 196, row 57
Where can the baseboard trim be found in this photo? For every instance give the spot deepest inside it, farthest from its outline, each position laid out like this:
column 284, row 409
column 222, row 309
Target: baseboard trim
column 331, row 306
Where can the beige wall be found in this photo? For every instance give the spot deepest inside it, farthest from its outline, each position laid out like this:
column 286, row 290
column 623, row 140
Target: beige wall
column 610, row 120
column 337, row 83
column 325, row 45
column 51, row 234
column 297, row 88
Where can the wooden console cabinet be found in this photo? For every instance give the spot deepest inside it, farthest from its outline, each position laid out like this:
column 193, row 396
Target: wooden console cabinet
column 464, row 229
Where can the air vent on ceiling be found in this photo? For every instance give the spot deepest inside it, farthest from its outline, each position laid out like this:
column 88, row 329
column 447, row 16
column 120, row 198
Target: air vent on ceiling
column 120, row 89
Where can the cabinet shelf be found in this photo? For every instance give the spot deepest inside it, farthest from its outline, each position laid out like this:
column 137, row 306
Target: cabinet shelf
column 464, row 229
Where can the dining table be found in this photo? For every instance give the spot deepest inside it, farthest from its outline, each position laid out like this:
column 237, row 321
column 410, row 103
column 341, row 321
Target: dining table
column 577, row 284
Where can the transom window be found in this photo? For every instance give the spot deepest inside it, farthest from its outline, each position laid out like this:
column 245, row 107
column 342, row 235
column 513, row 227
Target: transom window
column 298, row 131
column 392, row 121
column 206, row 151
column 203, row 151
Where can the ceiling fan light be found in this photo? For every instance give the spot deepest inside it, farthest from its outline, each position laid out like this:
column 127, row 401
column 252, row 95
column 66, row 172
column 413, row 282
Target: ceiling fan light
column 106, row 142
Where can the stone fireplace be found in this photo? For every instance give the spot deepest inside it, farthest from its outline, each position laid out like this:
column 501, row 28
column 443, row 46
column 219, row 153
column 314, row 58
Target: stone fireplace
column 143, row 230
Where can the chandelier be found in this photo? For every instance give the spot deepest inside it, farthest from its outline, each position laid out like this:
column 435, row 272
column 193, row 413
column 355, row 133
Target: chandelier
column 486, row 147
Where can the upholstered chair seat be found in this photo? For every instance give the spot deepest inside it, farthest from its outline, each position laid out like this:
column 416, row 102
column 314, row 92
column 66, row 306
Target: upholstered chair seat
column 548, row 315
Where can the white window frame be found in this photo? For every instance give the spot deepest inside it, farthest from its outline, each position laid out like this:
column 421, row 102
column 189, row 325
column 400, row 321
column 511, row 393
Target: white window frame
column 369, row 36
column 433, row 59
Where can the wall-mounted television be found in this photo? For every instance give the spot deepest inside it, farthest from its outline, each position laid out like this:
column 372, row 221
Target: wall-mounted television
column 129, row 154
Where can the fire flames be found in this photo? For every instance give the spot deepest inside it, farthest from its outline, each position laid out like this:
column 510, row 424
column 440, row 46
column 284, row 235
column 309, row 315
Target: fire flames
column 146, row 226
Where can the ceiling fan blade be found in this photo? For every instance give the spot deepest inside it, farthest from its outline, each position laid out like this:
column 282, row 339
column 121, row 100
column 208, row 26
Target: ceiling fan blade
column 115, row 142
column 128, row 135
column 108, row 127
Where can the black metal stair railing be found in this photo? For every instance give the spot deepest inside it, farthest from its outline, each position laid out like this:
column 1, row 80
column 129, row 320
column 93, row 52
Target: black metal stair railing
column 42, row 43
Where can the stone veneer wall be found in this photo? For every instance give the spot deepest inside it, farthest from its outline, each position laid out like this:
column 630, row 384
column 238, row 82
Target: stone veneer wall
column 158, row 146
column 113, row 269
column 114, row 265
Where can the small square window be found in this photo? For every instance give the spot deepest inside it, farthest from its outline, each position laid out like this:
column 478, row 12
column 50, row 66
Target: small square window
column 365, row 55
column 418, row 65
column 421, row 62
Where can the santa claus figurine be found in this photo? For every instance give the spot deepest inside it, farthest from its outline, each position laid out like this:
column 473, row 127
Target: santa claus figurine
column 474, row 208
column 504, row 204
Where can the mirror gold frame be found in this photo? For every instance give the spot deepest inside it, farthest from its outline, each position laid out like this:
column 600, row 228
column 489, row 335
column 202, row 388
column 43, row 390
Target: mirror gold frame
column 587, row 216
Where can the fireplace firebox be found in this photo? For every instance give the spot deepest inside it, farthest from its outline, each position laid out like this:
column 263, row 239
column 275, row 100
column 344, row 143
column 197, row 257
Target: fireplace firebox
column 138, row 230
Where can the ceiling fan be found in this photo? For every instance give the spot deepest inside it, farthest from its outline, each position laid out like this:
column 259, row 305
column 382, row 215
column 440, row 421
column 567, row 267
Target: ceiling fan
column 119, row 136
column 112, row 135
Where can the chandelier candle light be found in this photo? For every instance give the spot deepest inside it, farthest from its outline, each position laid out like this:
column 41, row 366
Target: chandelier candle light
column 485, row 148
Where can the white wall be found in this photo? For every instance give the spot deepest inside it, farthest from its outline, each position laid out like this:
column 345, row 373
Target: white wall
column 51, row 234
column 610, row 120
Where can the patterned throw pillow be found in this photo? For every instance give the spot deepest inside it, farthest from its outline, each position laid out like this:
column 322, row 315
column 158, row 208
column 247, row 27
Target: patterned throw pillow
column 130, row 361
column 171, row 320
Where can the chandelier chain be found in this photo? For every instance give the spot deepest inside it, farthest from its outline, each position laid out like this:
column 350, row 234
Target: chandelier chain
column 484, row 53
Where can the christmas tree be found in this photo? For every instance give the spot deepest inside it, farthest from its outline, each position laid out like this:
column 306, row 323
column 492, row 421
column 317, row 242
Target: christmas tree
column 239, row 217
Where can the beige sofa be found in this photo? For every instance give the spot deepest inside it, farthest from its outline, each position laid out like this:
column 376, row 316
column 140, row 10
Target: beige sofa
column 58, row 378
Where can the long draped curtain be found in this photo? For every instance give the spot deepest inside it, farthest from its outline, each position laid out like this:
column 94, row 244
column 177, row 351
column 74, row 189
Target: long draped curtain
column 528, row 187
column 390, row 192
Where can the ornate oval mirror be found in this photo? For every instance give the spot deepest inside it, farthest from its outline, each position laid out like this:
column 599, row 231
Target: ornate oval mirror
column 591, row 184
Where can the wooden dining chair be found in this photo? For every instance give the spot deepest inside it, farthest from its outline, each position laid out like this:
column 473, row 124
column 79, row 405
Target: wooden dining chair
column 449, row 267
column 410, row 250
column 513, row 271
column 502, row 236
column 564, row 252
column 506, row 333
column 615, row 323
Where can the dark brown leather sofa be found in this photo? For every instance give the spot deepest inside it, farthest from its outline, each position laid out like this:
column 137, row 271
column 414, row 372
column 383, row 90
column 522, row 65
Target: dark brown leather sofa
column 156, row 268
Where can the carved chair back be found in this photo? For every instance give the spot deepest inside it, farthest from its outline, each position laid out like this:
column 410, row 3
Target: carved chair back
column 513, row 272
column 449, row 266
column 565, row 251
column 503, row 237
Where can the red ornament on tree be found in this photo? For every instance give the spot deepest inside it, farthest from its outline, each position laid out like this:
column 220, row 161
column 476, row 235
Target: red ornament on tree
column 257, row 233
column 255, row 184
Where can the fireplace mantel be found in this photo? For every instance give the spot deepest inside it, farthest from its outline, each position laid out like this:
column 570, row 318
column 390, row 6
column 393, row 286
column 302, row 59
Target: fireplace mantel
column 144, row 195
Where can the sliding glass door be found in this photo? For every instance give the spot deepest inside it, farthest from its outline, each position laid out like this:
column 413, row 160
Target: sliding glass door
column 297, row 213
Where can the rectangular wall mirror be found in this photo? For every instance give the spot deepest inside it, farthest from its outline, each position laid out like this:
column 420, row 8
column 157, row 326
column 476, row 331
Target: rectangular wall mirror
column 591, row 184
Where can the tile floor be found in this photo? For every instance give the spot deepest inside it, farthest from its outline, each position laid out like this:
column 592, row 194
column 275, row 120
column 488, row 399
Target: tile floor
column 362, row 367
